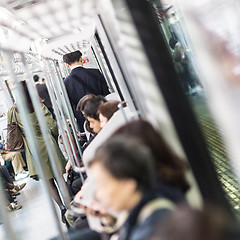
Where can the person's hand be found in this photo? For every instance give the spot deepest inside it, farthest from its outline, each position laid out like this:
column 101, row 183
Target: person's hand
column 68, row 166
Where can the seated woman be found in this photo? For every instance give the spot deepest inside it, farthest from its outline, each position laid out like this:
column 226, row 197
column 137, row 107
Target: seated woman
column 170, row 179
column 123, row 171
column 106, row 111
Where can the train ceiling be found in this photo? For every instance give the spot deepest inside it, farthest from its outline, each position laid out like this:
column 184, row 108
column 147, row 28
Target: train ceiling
column 47, row 23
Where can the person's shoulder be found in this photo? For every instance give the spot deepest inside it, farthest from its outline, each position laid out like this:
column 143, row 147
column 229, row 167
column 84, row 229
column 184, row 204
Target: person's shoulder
column 41, row 86
column 93, row 70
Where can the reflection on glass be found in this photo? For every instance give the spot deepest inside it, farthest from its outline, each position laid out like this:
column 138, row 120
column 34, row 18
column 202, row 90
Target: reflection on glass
column 220, row 23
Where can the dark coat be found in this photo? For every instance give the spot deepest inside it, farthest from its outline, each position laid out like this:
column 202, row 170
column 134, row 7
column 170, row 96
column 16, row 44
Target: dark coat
column 43, row 94
column 132, row 230
column 80, row 82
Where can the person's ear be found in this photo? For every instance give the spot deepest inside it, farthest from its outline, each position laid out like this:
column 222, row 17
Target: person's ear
column 130, row 186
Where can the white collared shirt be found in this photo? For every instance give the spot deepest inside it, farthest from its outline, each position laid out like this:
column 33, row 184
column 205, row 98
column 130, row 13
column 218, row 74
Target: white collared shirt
column 75, row 67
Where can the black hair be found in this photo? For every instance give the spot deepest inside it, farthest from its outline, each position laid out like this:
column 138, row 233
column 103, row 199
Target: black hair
column 126, row 158
column 72, row 57
column 27, row 95
column 92, row 106
column 82, row 102
column 35, row 78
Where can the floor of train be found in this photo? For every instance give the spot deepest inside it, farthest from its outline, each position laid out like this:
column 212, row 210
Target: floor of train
column 34, row 220
column 217, row 151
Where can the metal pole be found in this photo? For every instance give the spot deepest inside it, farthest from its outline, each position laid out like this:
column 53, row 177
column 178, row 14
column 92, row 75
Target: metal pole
column 121, row 106
column 32, row 141
column 65, row 100
column 8, row 227
column 45, row 132
column 75, row 164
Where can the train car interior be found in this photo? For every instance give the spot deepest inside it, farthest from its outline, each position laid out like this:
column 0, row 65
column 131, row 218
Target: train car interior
column 169, row 64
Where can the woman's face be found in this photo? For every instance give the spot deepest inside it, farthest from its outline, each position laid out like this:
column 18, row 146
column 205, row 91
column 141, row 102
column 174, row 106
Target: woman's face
column 103, row 120
column 94, row 125
column 113, row 193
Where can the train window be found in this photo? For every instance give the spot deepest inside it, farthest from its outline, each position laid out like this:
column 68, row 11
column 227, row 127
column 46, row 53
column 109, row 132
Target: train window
column 107, row 64
column 198, row 85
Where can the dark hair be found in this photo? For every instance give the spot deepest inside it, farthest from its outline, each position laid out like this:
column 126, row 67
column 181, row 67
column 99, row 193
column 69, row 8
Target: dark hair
column 82, row 102
column 92, row 106
column 126, row 158
column 27, row 95
column 88, row 128
column 35, row 78
column 108, row 109
column 72, row 57
column 193, row 224
column 169, row 167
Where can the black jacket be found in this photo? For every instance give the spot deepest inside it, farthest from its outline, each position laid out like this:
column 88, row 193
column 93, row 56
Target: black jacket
column 80, row 82
column 43, row 94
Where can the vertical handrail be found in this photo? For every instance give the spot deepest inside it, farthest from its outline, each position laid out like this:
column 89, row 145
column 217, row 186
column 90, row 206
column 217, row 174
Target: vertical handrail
column 120, row 107
column 68, row 144
column 45, row 133
column 8, row 226
column 68, row 106
column 29, row 131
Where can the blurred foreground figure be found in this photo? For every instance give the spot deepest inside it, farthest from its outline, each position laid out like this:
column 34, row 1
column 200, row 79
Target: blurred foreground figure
column 211, row 223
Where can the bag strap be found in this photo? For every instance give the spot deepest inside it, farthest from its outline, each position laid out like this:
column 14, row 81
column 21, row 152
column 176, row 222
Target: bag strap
column 156, row 204
column 12, row 115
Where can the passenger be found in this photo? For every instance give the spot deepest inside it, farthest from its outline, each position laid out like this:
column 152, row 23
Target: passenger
column 6, row 174
column 91, row 112
column 171, row 181
column 89, row 105
column 123, row 171
column 17, row 163
column 82, row 81
column 11, row 189
column 52, row 126
column 211, row 223
column 43, row 93
column 80, row 107
column 181, row 62
column 106, row 111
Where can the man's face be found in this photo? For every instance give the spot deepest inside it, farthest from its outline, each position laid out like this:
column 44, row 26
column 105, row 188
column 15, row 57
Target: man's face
column 94, row 124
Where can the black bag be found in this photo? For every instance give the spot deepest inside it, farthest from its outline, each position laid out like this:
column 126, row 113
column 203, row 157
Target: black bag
column 71, row 177
column 14, row 136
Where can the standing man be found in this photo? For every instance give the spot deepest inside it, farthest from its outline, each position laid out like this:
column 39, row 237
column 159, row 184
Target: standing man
column 43, row 94
column 82, row 81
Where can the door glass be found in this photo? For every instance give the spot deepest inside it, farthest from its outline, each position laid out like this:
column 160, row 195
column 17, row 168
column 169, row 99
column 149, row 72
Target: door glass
column 197, row 91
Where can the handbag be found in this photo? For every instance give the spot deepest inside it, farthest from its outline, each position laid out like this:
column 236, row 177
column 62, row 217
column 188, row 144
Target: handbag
column 71, row 177
column 14, row 136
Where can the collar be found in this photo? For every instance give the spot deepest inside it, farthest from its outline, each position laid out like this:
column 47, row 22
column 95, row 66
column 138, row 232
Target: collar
column 75, row 67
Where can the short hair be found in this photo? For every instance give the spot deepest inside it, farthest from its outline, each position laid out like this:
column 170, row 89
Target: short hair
column 82, row 102
column 36, row 78
column 72, row 57
column 126, row 158
column 92, row 106
column 108, row 109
